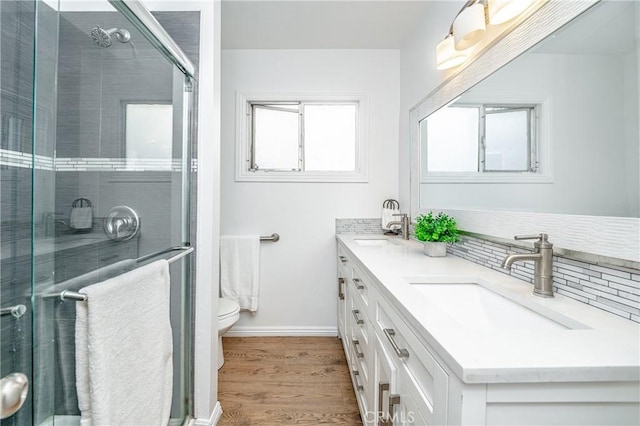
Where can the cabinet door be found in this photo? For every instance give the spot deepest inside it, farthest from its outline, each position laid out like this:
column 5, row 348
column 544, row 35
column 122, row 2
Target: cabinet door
column 386, row 385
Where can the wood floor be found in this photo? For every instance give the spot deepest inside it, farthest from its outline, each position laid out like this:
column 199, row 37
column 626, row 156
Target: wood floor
column 286, row 381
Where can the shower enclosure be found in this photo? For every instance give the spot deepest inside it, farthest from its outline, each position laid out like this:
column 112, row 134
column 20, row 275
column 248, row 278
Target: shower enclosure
column 97, row 107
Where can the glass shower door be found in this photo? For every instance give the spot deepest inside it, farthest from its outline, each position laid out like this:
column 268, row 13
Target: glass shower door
column 17, row 112
column 115, row 128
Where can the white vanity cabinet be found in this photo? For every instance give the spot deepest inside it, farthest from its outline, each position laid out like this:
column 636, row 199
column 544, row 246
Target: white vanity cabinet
column 413, row 364
column 396, row 379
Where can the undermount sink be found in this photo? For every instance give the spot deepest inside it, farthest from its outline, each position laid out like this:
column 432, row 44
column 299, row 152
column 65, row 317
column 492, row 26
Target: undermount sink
column 476, row 307
column 372, row 242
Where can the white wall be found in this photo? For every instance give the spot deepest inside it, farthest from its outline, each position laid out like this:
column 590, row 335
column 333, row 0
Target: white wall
column 419, row 76
column 298, row 274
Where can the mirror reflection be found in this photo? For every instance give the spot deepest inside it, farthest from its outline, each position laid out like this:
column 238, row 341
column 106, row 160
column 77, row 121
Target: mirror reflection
column 555, row 131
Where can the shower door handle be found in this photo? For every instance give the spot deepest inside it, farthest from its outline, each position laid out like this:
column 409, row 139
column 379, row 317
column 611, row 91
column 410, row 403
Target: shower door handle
column 13, row 392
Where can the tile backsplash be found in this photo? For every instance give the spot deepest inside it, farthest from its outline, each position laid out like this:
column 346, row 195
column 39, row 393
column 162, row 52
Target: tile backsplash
column 359, row 226
column 611, row 288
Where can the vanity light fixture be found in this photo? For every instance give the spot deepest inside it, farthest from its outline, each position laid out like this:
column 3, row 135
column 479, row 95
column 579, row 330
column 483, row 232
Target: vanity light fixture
column 470, row 25
column 447, row 56
column 501, row 11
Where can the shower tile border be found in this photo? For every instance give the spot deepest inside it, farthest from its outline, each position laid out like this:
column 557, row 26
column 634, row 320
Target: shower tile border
column 62, row 164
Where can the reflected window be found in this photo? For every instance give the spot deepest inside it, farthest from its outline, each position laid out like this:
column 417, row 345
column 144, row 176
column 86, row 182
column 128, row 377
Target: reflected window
column 148, row 130
column 301, row 136
column 481, row 138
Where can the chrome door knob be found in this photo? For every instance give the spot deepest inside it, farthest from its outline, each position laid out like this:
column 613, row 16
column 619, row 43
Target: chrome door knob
column 13, row 393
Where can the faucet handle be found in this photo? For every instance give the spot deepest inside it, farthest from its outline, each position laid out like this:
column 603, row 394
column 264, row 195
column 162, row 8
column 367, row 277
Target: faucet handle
column 400, row 214
column 539, row 237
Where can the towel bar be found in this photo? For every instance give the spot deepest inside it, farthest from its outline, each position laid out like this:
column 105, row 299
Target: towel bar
column 273, row 237
column 185, row 250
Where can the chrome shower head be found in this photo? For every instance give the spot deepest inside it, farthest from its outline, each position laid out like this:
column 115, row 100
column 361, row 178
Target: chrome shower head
column 102, row 37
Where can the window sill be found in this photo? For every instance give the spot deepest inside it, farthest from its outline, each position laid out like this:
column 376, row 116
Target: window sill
column 487, row 178
column 276, row 176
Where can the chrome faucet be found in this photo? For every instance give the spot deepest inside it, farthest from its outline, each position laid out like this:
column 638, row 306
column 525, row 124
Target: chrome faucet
column 403, row 222
column 543, row 259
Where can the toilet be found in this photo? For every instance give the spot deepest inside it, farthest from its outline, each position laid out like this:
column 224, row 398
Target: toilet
column 228, row 315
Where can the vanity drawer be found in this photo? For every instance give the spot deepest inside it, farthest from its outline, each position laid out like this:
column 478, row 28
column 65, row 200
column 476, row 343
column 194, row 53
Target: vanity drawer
column 361, row 287
column 425, row 381
column 344, row 264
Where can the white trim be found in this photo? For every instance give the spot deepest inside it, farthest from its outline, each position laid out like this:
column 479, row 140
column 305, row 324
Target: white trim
column 242, row 173
column 240, row 331
column 213, row 420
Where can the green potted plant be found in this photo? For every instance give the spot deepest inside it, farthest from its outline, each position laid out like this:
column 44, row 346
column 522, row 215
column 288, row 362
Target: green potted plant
column 436, row 232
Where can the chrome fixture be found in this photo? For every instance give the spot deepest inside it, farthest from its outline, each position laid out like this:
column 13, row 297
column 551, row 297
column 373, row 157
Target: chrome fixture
column 274, row 238
column 121, row 223
column 403, row 222
column 74, row 295
column 543, row 259
column 13, row 393
column 17, row 311
column 102, row 37
column 469, row 27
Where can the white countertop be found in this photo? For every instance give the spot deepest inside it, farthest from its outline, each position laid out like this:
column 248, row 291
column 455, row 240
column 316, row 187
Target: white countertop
column 606, row 348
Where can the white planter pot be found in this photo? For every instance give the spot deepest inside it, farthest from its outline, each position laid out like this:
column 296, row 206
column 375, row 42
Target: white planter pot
column 433, row 249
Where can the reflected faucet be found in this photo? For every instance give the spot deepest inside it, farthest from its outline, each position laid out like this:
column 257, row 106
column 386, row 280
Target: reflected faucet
column 403, row 222
column 543, row 260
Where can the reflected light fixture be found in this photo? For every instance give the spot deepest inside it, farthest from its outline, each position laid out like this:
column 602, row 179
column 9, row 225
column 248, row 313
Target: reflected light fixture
column 469, row 27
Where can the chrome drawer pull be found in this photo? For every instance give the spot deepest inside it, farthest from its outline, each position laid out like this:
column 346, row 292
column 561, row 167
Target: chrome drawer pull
column 358, row 283
column 356, row 342
column 343, row 259
column 356, row 374
column 393, row 401
column 355, row 313
column 340, row 285
column 383, row 418
column 390, row 333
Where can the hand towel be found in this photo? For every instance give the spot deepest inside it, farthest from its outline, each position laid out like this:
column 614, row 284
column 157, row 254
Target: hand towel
column 81, row 218
column 240, row 270
column 124, row 365
column 388, row 216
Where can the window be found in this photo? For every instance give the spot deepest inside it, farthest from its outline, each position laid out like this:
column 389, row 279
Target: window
column 481, row 140
column 148, row 131
column 300, row 138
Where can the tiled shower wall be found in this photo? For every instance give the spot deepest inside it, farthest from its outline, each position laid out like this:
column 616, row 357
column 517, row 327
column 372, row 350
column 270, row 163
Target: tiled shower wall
column 611, row 288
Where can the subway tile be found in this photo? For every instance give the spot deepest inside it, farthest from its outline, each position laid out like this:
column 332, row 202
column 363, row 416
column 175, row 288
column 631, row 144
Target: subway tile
column 610, row 271
column 575, row 296
column 624, row 288
column 633, row 309
column 616, row 279
column 610, row 309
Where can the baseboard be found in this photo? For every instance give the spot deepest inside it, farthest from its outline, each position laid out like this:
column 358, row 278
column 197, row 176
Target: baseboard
column 213, row 420
column 240, row 331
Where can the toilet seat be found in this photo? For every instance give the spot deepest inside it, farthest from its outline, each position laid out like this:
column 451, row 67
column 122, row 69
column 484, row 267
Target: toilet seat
column 227, row 308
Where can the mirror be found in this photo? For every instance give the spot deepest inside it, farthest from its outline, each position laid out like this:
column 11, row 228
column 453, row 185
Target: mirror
column 582, row 157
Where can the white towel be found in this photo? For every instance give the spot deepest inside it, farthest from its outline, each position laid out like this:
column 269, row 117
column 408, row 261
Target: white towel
column 81, row 218
column 388, row 216
column 240, row 270
column 124, row 365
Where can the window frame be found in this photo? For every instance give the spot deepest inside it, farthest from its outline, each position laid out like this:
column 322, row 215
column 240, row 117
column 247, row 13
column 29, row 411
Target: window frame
column 540, row 158
column 244, row 171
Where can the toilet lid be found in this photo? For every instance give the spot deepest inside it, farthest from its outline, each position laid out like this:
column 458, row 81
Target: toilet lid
column 227, row 307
